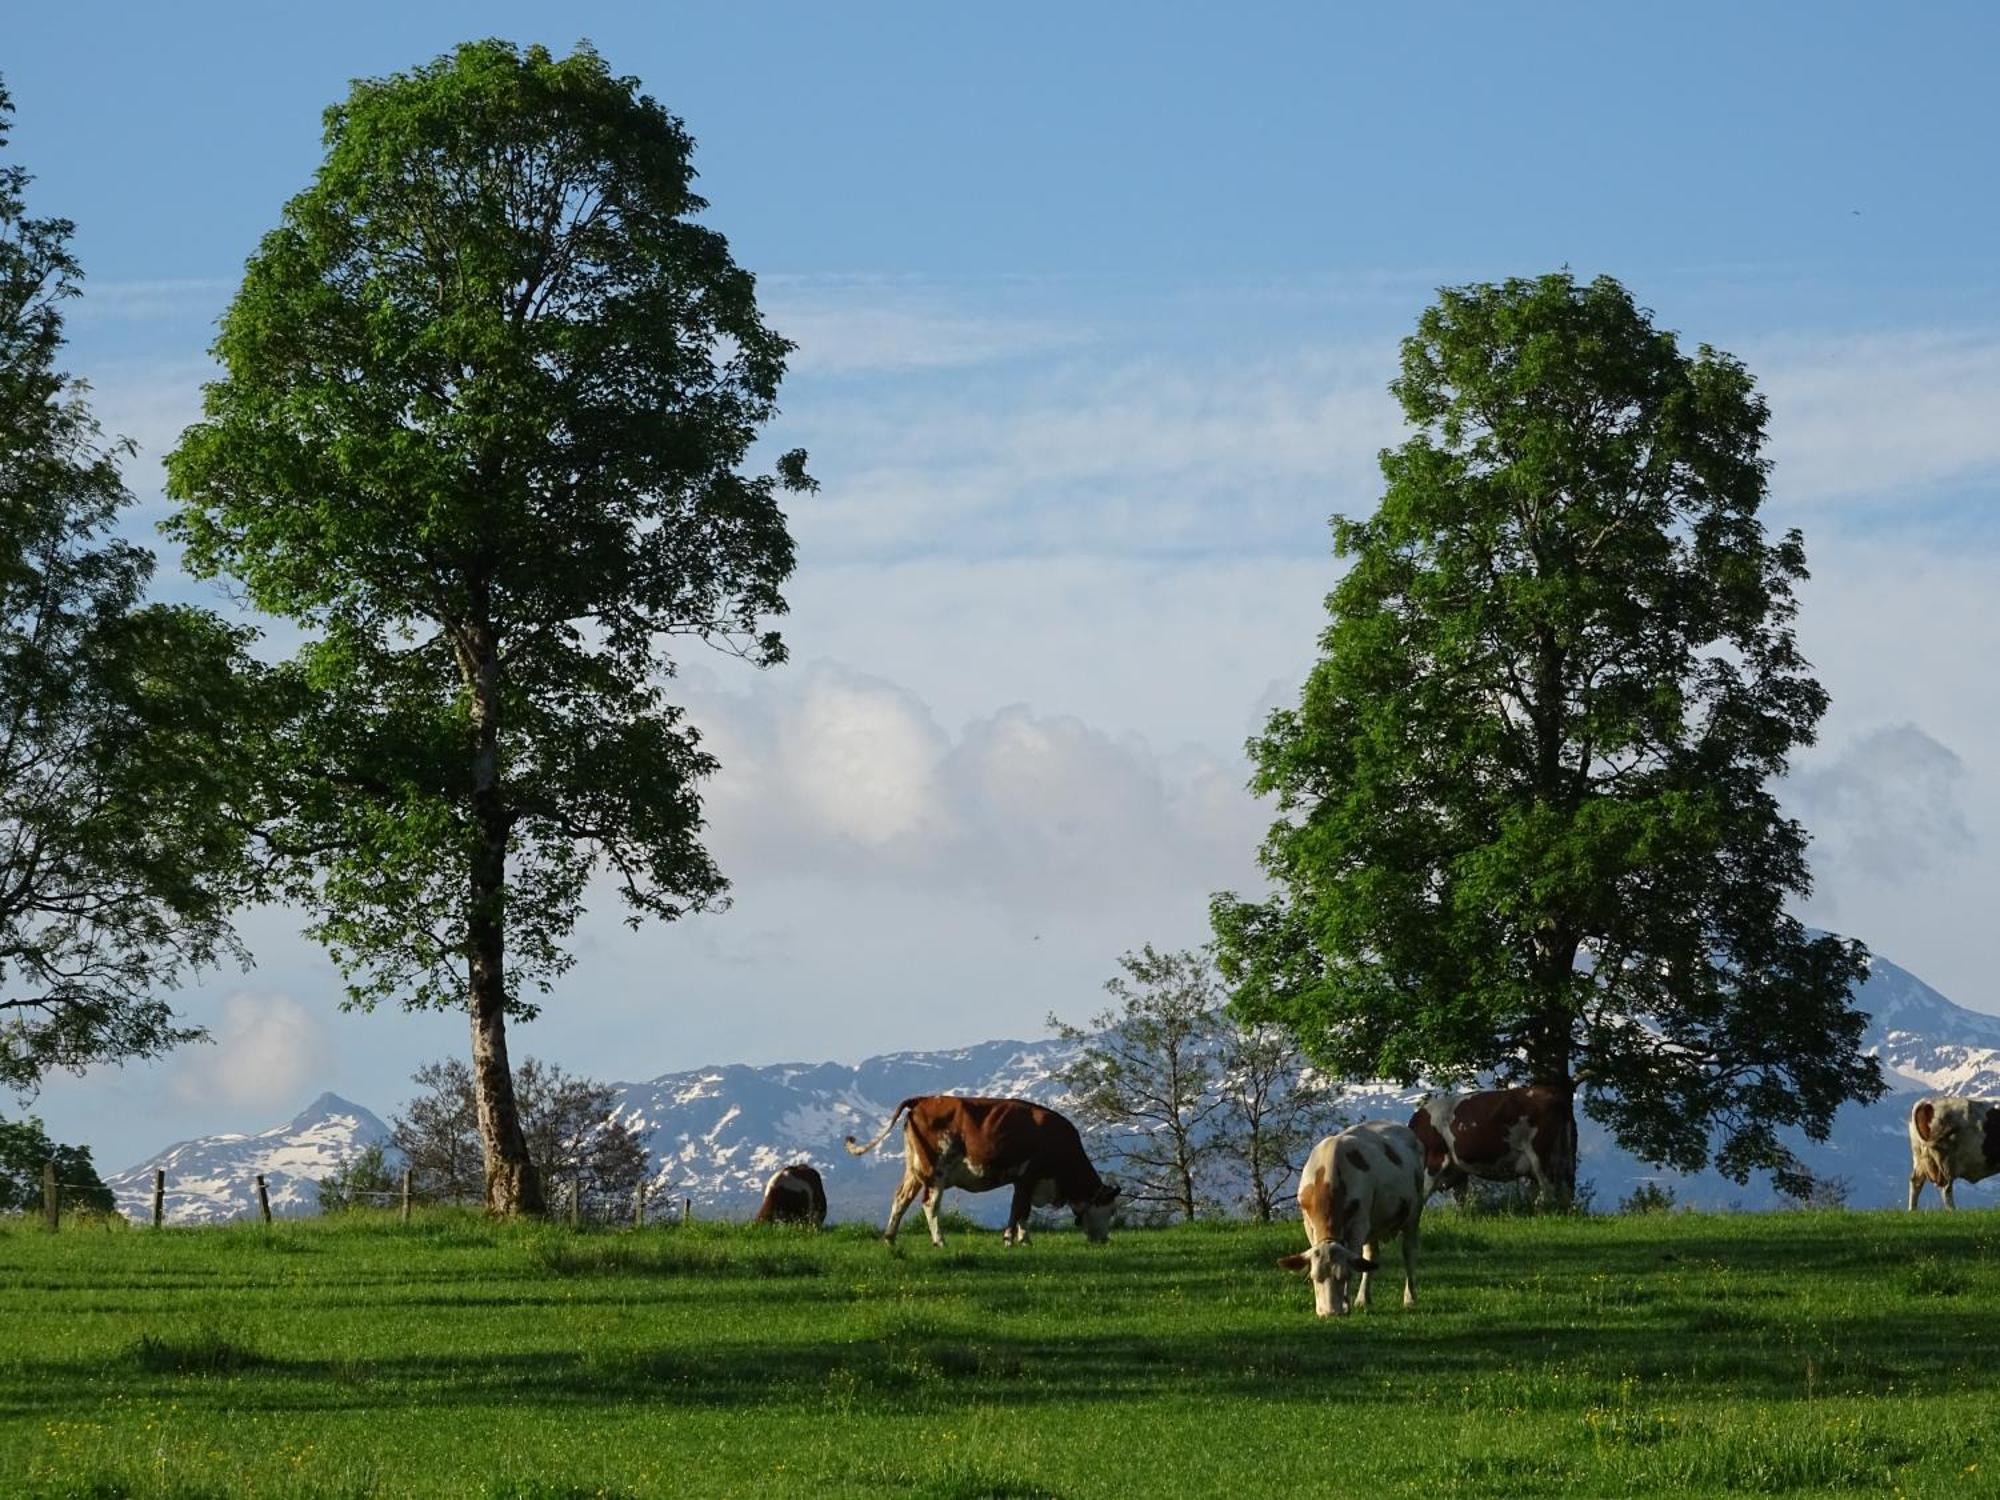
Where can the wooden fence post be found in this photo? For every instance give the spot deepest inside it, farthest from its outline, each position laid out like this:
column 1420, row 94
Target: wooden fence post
column 576, row 1200
column 639, row 1206
column 51, row 1197
column 263, row 1199
column 406, row 1194
column 159, row 1196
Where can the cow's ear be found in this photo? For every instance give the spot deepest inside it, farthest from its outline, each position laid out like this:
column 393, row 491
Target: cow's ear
column 1108, row 1193
column 1366, row 1266
column 1293, row 1262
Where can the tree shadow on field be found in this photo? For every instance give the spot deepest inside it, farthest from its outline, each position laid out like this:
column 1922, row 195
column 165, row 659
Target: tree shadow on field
column 917, row 1363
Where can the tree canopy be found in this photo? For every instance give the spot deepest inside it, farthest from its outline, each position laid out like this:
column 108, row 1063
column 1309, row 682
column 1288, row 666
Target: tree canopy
column 489, row 390
column 26, row 1150
column 1526, row 823
column 125, row 796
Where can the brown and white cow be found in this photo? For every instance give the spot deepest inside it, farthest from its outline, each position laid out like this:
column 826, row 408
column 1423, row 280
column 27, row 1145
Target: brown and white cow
column 982, row 1144
column 1500, row 1135
column 1952, row 1139
column 1359, row 1188
column 794, row 1195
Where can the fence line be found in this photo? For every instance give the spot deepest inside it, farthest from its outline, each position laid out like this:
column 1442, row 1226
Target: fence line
column 404, row 1196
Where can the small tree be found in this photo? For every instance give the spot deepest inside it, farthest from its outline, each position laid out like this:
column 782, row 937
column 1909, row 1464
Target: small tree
column 1651, row 1196
column 1145, row 1074
column 124, row 795
column 572, row 1135
column 362, row 1181
column 1807, row 1189
column 566, row 1121
column 1275, row 1108
column 438, row 1134
column 489, row 392
column 26, row 1150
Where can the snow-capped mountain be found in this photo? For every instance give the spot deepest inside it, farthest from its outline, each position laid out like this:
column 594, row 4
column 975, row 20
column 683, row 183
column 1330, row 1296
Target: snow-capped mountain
column 716, row 1134
column 214, row 1178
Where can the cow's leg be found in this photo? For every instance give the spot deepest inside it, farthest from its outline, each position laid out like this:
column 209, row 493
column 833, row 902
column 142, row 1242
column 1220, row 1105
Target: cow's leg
column 1017, row 1215
column 1949, row 1201
column 906, row 1194
column 1410, row 1266
column 1367, row 1277
column 1917, row 1180
column 933, row 1200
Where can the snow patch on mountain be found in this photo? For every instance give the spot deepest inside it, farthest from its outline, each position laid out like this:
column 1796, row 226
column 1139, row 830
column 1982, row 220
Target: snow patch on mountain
column 213, row 1179
column 717, row 1133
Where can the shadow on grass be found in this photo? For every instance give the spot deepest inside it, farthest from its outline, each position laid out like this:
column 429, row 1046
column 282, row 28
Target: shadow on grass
column 933, row 1364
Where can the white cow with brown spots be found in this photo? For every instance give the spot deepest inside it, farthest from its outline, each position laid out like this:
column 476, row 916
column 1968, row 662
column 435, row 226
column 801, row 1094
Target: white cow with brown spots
column 1359, row 1188
column 1952, row 1139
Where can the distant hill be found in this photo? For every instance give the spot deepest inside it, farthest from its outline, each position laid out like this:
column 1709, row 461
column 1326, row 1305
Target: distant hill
column 213, row 1179
column 716, row 1134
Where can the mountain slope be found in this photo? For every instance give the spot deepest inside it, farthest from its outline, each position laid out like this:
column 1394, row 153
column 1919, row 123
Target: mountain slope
column 716, row 1134
column 213, row 1179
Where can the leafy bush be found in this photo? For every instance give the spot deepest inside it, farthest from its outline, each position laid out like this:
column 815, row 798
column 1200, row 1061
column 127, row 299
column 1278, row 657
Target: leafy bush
column 1809, row 1190
column 362, row 1181
column 1649, row 1197
column 25, row 1149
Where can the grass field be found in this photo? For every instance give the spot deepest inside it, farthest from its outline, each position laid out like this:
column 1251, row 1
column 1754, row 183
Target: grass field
column 1778, row 1354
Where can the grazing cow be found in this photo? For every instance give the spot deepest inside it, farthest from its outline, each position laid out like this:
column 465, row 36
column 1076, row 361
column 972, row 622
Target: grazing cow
column 794, row 1195
column 1359, row 1188
column 1501, row 1135
column 1952, row 1138
column 981, row 1144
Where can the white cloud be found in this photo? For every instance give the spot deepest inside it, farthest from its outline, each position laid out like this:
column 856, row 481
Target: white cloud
column 1138, row 457
column 269, row 1052
column 828, row 774
column 192, row 297
column 873, row 326
column 1888, row 806
column 1881, row 417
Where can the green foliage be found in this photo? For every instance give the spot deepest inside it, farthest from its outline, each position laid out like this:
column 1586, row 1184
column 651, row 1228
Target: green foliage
column 1145, row 1075
column 566, row 1120
column 1275, row 1109
column 1809, row 1190
column 1483, row 1198
column 1526, row 824
column 125, row 790
column 488, row 390
column 25, row 1149
column 1683, row 1353
column 1649, row 1197
column 362, row 1181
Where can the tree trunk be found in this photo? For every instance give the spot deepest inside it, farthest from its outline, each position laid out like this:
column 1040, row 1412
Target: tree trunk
column 512, row 1184
column 1552, row 1051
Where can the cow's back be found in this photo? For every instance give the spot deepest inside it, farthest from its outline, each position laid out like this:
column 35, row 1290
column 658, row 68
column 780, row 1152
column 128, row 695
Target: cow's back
column 1367, row 1180
column 1002, row 1130
column 1391, row 1159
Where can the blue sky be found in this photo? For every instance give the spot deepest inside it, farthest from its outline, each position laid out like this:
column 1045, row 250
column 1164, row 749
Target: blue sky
column 1095, row 307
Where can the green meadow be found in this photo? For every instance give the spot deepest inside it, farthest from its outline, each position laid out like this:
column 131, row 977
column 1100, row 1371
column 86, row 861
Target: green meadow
column 1802, row 1353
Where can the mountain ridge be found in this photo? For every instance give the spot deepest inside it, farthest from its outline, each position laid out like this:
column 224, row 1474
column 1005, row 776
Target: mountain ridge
column 716, row 1133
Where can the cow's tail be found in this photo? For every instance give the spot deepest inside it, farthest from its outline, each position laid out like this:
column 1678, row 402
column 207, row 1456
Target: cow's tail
column 855, row 1148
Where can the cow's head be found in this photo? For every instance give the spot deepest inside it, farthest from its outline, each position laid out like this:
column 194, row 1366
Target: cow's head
column 1329, row 1264
column 1094, row 1213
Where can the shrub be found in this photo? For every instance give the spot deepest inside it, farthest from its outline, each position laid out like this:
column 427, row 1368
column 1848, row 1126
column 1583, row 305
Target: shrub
column 362, row 1181
column 1649, row 1197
